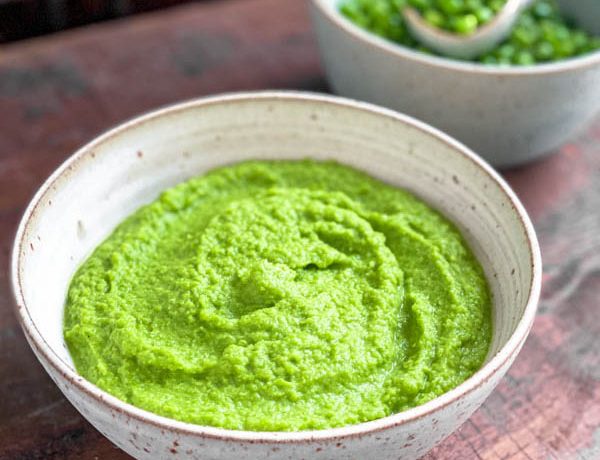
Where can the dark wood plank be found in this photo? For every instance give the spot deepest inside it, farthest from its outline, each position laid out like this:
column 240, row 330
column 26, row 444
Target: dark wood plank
column 58, row 92
column 20, row 19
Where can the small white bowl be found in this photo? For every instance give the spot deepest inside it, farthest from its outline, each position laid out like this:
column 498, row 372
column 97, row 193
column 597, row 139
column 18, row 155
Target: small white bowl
column 509, row 115
column 102, row 183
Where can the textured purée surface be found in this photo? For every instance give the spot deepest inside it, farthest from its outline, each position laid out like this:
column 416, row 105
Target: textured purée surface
column 280, row 296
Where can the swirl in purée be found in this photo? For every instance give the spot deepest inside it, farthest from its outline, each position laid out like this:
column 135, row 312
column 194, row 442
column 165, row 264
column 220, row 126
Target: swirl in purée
column 280, row 296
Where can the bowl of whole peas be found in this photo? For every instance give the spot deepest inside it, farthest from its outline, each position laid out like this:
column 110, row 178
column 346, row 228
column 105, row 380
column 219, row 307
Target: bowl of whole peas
column 515, row 103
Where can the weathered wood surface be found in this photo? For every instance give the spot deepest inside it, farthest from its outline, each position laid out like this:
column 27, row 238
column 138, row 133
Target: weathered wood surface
column 56, row 93
column 20, row 19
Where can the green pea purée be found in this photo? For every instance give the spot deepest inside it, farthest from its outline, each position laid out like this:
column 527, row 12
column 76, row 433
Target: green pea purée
column 280, row 295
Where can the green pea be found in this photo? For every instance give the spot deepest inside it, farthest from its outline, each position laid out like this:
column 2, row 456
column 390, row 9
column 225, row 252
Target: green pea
column 565, row 49
column 523, row 36
column 496, row 5
column 434, row 17
column 351, row 11
column 524, row 58
column 543, row 9
column 527, row 21
column 543, row 51
column 420, row 4
column 451, row 7
column 540, row 35
column 506, row 51
column 466, row 24
column 472, row 5
column 484, row 14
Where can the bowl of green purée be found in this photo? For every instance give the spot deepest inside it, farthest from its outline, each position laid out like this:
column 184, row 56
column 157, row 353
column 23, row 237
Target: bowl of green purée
column 513, row 104
column 275, row 275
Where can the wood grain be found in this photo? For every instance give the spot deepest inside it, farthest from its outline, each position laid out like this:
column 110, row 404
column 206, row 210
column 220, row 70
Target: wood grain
column 58, row 92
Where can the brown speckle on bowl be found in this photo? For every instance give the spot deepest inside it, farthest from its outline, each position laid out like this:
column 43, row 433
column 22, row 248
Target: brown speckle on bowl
column 80, row 230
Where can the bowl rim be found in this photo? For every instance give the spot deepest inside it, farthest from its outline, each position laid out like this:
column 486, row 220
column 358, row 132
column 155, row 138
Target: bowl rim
column 43, row 349
column 399, row 51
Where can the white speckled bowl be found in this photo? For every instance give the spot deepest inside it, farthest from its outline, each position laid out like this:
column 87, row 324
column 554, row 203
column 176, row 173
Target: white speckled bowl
column 109, row 178
column 508, row 115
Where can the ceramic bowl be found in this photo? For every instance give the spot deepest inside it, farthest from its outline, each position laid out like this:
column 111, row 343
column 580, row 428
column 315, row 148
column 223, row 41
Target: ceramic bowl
column 509, row 115
column 102, row 183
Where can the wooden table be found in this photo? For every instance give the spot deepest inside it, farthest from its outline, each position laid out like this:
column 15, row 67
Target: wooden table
column 20, row 19
column 60, row 91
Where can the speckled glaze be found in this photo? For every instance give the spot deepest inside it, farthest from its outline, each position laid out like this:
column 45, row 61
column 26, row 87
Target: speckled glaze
column 119, row 171
column 507, row 115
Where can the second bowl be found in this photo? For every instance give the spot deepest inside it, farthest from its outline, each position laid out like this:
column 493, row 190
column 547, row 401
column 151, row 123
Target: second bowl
column 509, row 115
